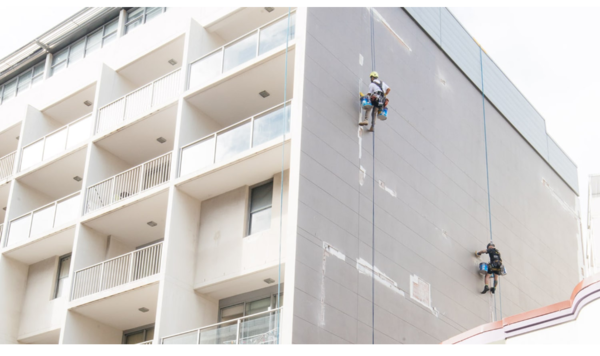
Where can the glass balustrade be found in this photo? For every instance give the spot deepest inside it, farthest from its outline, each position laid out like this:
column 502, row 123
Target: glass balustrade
column 44, row 219
column 56, row 142
column 260, row 328
column 236, row 139
column 242, row 50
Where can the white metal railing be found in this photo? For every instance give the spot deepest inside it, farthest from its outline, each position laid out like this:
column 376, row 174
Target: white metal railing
column 235, row 139
column 259, row 328
column 145, row 343
column 117, row 271
column 42, row 220
column 56, row 142
column 6, row 165
column 241, row 50
column 139, row 102
column 128, row 183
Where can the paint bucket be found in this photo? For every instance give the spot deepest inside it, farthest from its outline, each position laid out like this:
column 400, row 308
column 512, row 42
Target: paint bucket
column 365, row 103
column 503, row 271
column 382, row 115
column 483, row 268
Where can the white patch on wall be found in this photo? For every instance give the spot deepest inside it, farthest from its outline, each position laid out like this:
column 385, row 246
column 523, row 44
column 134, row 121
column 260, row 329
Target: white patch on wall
column 365, row 268
column 387, row 189
column 361, row 175
column 420, row 291
column 328, row 250
column 380, row 18
column 360, row 134
column 360, row 59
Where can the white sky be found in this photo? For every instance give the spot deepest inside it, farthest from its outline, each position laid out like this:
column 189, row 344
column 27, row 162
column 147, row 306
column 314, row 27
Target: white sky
column 19, row 25
column 551, row 54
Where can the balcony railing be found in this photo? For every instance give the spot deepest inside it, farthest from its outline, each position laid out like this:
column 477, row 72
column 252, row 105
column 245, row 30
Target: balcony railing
column 128, row 183
column 6, row 165
column 44, row 219
column 260, row 328
column 145, row 343
column 56, row 142
column 117, row 271
column 235, row 139
column 241, row 50
column 139, row 102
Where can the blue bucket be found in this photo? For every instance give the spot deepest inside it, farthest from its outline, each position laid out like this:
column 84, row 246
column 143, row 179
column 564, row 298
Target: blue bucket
column 365, row 102
column 483, row 268
column 382, row 115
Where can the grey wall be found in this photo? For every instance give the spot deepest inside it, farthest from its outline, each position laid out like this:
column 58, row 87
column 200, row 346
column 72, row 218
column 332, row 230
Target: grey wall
column 430, row 155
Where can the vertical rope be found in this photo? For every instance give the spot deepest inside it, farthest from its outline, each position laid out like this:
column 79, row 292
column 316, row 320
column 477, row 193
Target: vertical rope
column 487, row 171
column 287, row 39
column 487, row 168
column 373, row 191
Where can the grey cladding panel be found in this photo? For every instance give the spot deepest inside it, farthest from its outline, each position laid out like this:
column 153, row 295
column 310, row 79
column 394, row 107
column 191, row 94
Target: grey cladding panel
column 562, row 164
column 464, row 51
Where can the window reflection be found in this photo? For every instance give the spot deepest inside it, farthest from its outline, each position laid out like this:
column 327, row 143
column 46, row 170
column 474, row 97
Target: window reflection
column 233, row 142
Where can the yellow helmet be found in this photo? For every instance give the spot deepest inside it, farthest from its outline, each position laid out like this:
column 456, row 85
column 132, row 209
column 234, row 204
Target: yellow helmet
column 374, row 75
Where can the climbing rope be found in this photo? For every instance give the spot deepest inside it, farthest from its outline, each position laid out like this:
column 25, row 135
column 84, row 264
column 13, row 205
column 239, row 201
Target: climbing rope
column 487, row 175
column 373, row 188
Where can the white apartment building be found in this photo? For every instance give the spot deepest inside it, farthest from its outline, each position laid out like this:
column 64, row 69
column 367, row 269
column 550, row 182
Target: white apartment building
column 103, row 141
column 197, row 175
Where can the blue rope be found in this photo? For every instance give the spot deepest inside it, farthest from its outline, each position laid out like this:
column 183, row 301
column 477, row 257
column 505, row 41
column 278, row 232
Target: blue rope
column 373, row 190
column 282, row 169
column 487, row 174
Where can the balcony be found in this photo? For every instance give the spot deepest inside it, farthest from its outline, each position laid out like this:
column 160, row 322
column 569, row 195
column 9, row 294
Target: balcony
column 6, row 165
column 242, row 50
column 39, row 222
column 117, row 271
column 260, row 328
column 128, row 183
column 236, row 139
column 139, row 102
column 56, row 143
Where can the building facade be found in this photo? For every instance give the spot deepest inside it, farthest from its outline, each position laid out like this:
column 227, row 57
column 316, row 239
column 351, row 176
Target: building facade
column 593, row 221
column 194, row 175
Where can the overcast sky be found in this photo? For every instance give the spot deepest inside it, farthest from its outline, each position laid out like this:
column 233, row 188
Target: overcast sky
column 551, row 54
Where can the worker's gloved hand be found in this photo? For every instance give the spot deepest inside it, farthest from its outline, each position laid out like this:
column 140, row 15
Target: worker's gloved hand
column 477, row 254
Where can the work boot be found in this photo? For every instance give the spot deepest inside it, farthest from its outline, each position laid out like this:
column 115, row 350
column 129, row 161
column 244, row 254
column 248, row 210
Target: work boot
column 493, row 290
column 485, row 290
column 371, row 129
column 363, row 123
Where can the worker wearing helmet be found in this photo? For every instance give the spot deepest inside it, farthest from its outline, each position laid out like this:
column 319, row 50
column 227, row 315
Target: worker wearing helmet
column 378, row 91
column 494, row 267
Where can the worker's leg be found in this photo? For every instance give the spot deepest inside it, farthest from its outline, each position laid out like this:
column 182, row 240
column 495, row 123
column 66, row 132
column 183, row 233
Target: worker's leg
column 487, row 281
column 365, row 120
column 374, row 112
column 495, row 283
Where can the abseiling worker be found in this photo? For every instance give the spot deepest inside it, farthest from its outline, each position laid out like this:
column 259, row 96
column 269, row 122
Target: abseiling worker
column 495, row 266
column 378, row 91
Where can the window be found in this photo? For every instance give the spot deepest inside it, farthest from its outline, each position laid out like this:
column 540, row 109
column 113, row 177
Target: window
column 261, row 200
column 138, row 335
column 22, row 82
column 141, row 15
column 250, row 308
column 64, row 265
column 84, row 46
